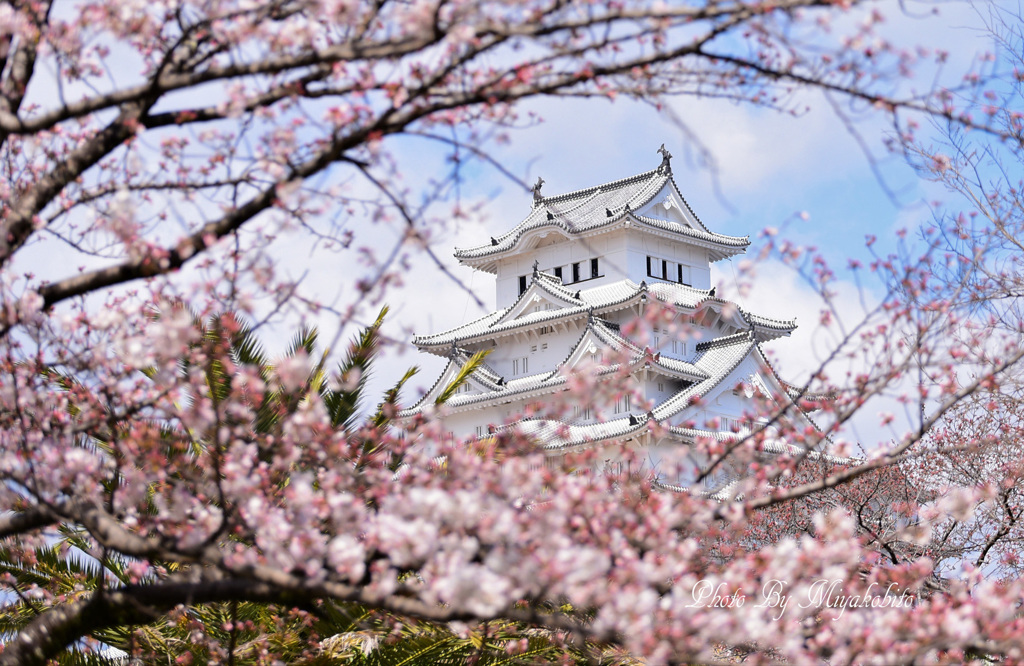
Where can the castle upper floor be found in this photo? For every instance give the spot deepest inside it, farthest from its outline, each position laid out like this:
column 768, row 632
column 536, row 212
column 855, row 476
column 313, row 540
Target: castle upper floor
column 638, row 228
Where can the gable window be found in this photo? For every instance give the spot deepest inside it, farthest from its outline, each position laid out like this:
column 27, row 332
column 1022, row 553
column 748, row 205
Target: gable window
column 522, row 284
column 593, row 268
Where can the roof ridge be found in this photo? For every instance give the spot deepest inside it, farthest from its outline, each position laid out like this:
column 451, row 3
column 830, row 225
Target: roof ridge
column 497, row 314
column 552, row 288
column 519, row 298
column 423, row 398
column 594, row 189
column 486, row 373
column 703, row 234
column 576, row 433
column 687, row 203
column 723, row 341
column 715, row 377
column 459, row 358
column 573, row 348
column 768, row 320
column 602, row 329
column 694, row 371
column 783, row 383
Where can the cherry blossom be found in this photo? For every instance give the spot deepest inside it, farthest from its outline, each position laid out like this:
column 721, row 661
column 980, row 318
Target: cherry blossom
column 164, row 153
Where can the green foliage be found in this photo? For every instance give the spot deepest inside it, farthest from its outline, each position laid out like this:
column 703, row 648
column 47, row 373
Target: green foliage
column 474, row 362
column 343, row 403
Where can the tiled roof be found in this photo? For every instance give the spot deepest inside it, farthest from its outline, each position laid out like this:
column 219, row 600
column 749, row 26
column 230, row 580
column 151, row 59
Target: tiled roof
column 597, row 207
column 716, row 362
column 717, row 359
column 423, row 398
column 603, row 299
column 689, row 297
column 546, row 381
column 794, row 394
column 799, row 393
column 678, row 294
column 483, row 374
column 489, row 325
column 774, row 446
column 558, row 435
column 767, row 322
column 701, row 234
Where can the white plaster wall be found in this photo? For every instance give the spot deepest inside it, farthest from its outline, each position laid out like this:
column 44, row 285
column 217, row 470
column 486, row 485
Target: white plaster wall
column 464, row 424
column 609, row 249
column 668, row 388
column 641, row 244
column 673, row 462
column 540, row 359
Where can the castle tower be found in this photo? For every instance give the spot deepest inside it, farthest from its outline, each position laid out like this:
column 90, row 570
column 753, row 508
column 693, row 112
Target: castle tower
column 569, row 278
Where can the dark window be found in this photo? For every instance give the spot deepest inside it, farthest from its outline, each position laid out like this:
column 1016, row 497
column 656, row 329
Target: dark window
column 679, row 269
column 593, row 267
column 522, row 284
column 649, row 274
column 664, row 269
column 576, row 272
column 558, row 272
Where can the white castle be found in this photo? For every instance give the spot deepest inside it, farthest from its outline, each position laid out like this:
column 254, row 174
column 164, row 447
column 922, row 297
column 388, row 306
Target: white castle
column 569, row 277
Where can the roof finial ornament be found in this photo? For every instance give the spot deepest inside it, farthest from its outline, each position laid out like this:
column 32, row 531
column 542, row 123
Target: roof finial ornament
column 666, row 161
column 536, row 191
column 536, row 267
